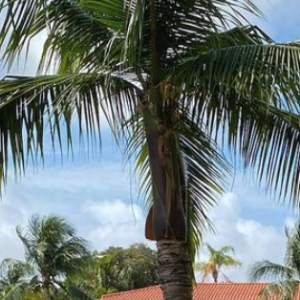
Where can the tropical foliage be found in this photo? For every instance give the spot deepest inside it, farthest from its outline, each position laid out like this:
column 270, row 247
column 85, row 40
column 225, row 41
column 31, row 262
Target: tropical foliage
column 131, row 268
column 285, row 278
column 218, row 259
column 59, row 266
column 52, row 252
column 179, row 80
column 117, row 269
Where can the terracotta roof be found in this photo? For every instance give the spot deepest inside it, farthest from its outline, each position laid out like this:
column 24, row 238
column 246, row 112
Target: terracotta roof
column 203, row 291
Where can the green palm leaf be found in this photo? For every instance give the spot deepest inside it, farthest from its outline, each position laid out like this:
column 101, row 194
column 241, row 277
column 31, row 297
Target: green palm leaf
column 268, row 270
column 179, row 80
column 51, row 101
column 285, row 278
column 16, row 292
column 285, row 290
column 76, row 294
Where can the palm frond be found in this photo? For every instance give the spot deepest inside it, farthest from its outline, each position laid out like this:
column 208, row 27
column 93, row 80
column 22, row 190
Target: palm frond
column 31, row 254
column 201, row 173
column 229, row 261
column 211, row 249
column 292, row 255
column 255, row 69
column 284, row 290
column 227, row 249
column 72, row 256
column 31, row 104
column 136, row 150
column 179, row 25
column 268, row 270
column 16, row 292
column 272, row 148
column 76, row 294
column 76, row 30
column 14, row 271
column 85, row 35
column 203, row 167
column 250, row 101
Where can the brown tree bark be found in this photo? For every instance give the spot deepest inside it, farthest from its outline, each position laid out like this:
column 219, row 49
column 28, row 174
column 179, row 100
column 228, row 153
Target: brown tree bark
column 174, row 270
column 166, row 220
column 215, row 275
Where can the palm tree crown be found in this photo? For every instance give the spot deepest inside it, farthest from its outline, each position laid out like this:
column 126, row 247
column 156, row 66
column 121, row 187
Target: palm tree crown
column 217, row 260
column 52, row 252
column 178, row 80
column 286, row 277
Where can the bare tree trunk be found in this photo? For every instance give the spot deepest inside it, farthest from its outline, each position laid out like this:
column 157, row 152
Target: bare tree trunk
column 174, row 270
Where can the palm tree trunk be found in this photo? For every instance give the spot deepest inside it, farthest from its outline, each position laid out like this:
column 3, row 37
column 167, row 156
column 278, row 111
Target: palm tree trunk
column 46, row 286
column 215, row 275
column 166, row 220
column 174, row 270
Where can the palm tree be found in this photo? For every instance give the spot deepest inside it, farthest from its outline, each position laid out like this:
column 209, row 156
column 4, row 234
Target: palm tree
column 91, row 279
column 178, row 81
column 13, row 273
column 217, row 260
column 286, row 277
column 52, row 252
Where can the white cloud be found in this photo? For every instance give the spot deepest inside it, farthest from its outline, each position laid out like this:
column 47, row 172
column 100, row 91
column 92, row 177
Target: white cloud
column 116, row 223
column 95, row 199
column 114, row 212
column 84, row 194
column 290, row 222
column 252, row 240
column 10, row 245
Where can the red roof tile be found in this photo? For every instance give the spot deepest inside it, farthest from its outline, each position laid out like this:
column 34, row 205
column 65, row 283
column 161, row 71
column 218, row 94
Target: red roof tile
column 203, row 291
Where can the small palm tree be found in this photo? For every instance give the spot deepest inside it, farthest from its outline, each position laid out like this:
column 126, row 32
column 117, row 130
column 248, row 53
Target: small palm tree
column 173, row 78
column 218, row 259
column 286, row 277
column 52, row 252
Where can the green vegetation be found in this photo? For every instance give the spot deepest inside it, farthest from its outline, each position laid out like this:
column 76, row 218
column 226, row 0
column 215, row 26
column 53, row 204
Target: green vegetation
column 173, row 78
column 286, row 277
column 130, row 268
column 218, row 259
column 52, row 252
column 118, row 269
column 58, row 265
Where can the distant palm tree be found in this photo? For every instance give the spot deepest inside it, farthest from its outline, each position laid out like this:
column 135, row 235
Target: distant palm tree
column 218, row 259
column 52, row 252
column 179, row 80
column 286, row 277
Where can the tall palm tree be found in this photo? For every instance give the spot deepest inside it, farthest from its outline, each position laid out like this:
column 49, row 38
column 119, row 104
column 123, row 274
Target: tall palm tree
column 286, row 277
column 52, row 252
column 217, row 260
column 179, row 81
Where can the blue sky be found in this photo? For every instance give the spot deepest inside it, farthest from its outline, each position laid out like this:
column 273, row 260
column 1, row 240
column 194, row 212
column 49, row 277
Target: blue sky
column 98, row 196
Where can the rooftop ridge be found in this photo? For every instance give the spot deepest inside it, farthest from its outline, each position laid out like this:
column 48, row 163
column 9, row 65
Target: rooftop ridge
column 131, row 291
column 250, row 291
